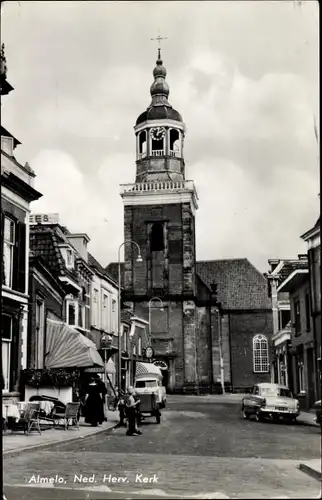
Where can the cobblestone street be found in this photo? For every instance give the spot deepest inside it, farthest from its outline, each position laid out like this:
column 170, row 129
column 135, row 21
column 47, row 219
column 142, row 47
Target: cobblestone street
column 201, row 448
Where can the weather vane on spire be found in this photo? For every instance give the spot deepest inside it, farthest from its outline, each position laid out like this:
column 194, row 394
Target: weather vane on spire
column 158, row 39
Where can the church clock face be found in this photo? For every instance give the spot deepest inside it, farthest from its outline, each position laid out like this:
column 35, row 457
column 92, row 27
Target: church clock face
column 157, row 133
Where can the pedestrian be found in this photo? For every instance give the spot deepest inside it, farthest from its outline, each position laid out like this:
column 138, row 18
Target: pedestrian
column 131, row 405
column 103, row 392
column 93, row 409
column 121, row 408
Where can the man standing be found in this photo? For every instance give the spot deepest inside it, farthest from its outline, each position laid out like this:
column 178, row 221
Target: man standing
column 131, row 406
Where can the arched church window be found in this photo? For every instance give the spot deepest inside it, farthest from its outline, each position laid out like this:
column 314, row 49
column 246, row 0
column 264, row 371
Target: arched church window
column 142, row 144
column 157, row 135
column 157, row 239
column 260, row 354
column 175, row 146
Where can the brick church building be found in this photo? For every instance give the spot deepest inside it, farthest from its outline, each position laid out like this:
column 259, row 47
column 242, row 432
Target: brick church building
column 215, row 322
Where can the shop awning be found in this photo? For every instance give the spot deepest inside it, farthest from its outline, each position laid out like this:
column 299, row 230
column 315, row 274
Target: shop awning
column 68, row 348
column 146, row 369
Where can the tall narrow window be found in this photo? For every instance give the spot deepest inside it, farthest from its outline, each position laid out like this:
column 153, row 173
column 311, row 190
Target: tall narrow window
column 260, row 354
column 140, row 346
column 142, row 144
column 40, row 333
column 95, row 316
column 307, row 312
column 175, row 149
column 69, row 258
column 8, row 249
column 6, row 338
column 297, row 317
column 71, row 313
column 157, row 238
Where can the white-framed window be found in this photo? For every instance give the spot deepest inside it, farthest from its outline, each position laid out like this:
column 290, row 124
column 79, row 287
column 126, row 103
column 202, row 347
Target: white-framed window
column 75, row 313
column 8, row 249
column 140, row 346
column 6, row 339
column 113, row 305
column 105, row 312
column 134, row 350
column 260, row 354
column 81, row 316
column 300, row 376
column 95, row 310
column 40, row 333
column 71, row 312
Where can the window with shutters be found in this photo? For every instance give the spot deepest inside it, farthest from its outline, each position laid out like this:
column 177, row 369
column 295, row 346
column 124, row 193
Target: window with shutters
column 9, row 240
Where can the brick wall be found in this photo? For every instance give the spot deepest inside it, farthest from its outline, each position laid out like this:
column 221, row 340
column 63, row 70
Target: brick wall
column 243, row 327
column 203, row 343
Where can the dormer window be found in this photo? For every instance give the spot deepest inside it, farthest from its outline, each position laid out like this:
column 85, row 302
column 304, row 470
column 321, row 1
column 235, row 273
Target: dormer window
column 7, row 145
column 68, row 256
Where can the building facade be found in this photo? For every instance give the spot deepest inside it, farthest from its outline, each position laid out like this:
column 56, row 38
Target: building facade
column 190, row 333
column 313, row 239
column 65, row 256
column 280, row 269
column 17, row 193
column 47, row 300
column 303, row 365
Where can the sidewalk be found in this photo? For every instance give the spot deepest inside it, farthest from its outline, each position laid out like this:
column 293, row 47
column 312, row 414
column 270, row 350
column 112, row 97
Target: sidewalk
column 18, row 442
column 312, row 468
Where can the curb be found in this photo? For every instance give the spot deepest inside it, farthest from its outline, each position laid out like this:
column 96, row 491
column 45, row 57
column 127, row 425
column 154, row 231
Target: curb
column 12, row 453
column 310, row 471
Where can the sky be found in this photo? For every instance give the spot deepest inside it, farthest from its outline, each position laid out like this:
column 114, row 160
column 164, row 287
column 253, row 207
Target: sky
column 244, row 76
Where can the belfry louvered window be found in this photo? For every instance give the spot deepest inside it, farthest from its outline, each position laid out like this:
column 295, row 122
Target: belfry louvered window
column 260, row 354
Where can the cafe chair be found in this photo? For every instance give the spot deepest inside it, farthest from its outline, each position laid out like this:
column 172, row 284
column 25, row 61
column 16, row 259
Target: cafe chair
column 70, row 417
column 28, row 419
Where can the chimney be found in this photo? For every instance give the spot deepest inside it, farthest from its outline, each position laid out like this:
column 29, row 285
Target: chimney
column 80, row 241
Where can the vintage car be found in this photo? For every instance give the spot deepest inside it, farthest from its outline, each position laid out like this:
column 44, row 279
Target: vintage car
column 271, row 401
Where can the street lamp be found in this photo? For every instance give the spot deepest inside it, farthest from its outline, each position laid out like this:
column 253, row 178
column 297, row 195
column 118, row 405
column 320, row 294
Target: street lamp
column 161, row 309
column 139, row 259
column 106, row 342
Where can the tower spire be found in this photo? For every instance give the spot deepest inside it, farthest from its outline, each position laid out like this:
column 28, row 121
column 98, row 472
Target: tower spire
column 159, row 89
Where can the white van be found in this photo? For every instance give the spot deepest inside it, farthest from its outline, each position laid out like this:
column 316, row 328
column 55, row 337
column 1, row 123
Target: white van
column 148, row 380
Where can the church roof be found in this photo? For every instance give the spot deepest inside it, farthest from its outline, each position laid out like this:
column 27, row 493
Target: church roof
column 240, row 285
column 159, row 113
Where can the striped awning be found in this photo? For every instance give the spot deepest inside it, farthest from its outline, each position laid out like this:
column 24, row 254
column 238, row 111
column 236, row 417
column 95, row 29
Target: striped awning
column 68, row 348
column 146, row 369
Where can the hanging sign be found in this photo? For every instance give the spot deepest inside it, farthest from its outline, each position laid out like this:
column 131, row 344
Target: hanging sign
column 161, row 364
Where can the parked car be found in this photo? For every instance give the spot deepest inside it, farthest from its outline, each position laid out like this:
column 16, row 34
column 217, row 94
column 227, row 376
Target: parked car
column 318, row 409
column 271, row 401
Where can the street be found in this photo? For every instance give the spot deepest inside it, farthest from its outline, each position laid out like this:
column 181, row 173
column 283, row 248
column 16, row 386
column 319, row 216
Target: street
column 201, row 449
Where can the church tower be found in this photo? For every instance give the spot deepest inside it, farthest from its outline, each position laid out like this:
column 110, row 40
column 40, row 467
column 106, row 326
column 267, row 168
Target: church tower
column 159, row 215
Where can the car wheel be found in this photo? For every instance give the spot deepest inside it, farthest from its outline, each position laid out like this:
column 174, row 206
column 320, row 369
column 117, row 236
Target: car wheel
column 259, row 416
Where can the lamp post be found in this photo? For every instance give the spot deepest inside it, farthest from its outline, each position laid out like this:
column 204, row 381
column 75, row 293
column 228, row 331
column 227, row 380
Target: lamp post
column 139, row 259
column 106, row 342
column 161, row 309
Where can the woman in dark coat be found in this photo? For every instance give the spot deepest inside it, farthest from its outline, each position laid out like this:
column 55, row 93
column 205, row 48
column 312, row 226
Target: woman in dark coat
column 94, row 410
